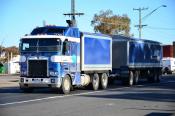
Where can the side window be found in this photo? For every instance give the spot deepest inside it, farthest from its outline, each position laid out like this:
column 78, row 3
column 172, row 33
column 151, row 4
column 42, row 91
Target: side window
column 66, row 47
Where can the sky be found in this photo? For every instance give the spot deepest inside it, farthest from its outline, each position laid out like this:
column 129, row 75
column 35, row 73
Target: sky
column 20, row 17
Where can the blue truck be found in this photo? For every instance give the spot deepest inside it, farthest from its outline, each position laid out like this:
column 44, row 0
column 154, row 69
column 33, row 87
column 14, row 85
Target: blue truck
column 64, row 57
column 133, row 59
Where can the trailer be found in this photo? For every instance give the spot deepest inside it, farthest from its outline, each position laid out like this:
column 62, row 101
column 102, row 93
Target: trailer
column 133, row 59
column 64, row 57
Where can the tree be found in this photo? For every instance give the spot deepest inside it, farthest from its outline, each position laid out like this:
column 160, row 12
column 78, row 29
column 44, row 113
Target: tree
column 13, row 49
column 108, row 23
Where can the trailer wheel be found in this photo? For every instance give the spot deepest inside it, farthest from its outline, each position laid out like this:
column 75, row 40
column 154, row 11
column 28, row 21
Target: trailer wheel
column 136, row 77
column 150, row 76
column 66, row 85
column 154, row 78
column 129, row 81
column 95, row 81
column 103, row 81
column 131, row 78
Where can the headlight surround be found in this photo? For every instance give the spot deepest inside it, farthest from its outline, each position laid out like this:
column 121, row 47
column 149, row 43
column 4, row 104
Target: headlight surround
column 22, row 59
column 23, row 73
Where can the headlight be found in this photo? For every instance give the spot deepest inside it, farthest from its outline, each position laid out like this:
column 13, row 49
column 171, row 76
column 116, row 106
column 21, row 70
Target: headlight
column 23, row 72
column 22, row 58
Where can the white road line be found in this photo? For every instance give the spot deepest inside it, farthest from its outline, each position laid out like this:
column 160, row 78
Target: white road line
column 47, row 98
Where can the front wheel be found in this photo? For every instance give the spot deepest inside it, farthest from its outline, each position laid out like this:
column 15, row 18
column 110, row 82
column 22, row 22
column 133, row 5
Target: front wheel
column 66, row 85
column 103, row 81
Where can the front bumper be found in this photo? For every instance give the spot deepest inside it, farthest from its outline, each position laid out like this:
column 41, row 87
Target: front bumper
column 40, row 82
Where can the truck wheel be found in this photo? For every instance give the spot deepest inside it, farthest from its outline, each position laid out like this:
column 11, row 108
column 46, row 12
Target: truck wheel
column 66, row 85
column 131, row 78
column 103, row 81
column 136, row 77
column 95, row 82
column 150, row 76
column 154, row 78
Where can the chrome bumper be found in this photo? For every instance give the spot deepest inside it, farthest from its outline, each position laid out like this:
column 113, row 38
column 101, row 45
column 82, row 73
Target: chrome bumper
column 40, row 82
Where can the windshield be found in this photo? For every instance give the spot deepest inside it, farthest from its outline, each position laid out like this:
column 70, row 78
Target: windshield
column 42, row 45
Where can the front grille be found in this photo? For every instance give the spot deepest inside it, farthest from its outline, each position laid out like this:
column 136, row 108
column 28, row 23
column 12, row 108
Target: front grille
column 37, row 68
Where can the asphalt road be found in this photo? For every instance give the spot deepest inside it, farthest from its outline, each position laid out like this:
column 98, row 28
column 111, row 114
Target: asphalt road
column 156, row 99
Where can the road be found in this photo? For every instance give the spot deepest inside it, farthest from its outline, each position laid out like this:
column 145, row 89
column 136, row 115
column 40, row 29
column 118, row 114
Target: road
column 156, row 99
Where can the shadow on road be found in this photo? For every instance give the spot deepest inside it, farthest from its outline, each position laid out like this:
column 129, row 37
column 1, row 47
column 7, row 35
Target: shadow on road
column 160, row 92
column 159, row 114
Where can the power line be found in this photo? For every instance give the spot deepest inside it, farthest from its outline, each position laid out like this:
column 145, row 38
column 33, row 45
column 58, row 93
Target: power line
column 160, row 28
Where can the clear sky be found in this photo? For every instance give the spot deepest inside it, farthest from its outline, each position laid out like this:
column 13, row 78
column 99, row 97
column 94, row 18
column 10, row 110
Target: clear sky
column 19, row 17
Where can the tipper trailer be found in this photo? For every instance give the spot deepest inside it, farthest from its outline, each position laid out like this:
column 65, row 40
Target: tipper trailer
column 135, row 58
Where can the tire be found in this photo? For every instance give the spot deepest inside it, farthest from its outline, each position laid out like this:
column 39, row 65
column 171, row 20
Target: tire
column 157, row 78
column 95, row 82
column 103, row 81
column 129, row 81
column 131, row 78
column 66, row 85
column 153, row 77
column 136, row 77
column 150, row 76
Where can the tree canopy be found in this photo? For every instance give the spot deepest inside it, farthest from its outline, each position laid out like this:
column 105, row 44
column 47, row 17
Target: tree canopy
column 108, row 23
column 8, row 50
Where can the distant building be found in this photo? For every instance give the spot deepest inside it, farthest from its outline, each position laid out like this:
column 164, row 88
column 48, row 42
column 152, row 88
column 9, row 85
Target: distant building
column 13, row 67
column 168, row 51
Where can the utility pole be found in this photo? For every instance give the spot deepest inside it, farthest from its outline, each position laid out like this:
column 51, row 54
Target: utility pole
column 140, row 26
column 73, row 14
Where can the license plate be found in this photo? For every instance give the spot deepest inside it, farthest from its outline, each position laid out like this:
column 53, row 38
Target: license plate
column 35, row 80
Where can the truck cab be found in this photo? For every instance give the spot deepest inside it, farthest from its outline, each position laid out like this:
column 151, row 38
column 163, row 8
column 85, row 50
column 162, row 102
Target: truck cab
column 48, row 53
column 64, row 57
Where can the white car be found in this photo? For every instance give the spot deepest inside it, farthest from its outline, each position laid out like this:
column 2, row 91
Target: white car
column 168, row 65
